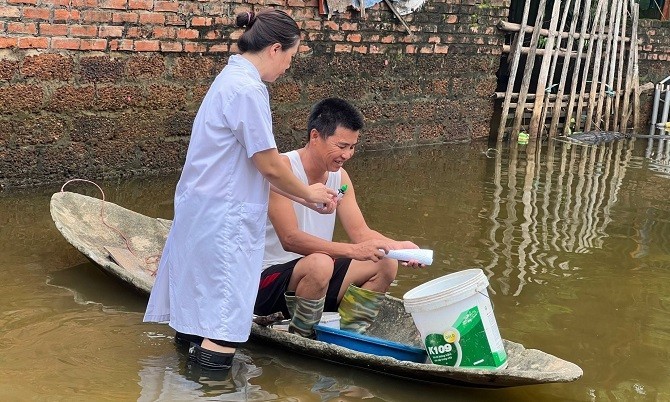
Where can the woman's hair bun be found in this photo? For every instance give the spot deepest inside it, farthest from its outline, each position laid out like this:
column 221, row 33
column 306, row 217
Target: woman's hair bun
column 245, row 19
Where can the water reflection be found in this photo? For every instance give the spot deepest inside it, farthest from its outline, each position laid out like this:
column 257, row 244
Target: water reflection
column 171, row 378
column 167, row 377
column 547, row 203
column 658, row 150
column 299, row 378
column 90, row 285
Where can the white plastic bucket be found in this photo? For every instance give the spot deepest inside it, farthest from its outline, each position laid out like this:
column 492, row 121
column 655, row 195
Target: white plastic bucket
column 330, row 319
column 454, row 315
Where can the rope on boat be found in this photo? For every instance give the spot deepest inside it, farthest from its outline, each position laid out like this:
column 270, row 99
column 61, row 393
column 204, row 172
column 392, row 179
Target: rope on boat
column 149, row 260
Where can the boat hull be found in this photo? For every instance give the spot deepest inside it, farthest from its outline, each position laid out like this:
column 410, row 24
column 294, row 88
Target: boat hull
column 95, row 227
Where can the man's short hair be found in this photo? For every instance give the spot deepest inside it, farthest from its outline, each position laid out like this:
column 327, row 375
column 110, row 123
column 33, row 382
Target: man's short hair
column 330, row 113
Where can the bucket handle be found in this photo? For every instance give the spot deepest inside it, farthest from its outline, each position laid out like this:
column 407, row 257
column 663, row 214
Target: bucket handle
column 493, row 307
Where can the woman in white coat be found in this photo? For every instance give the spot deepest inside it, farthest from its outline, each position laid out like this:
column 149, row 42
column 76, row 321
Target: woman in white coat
column 210, row 267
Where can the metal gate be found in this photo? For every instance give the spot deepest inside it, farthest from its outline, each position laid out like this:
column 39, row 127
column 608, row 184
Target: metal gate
column 595, row 42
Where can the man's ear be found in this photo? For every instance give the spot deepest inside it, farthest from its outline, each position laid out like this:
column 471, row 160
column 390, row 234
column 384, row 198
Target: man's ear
column 314, row 134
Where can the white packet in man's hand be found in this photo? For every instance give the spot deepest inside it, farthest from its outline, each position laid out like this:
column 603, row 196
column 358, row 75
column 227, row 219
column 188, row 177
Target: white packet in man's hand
column 422, row 255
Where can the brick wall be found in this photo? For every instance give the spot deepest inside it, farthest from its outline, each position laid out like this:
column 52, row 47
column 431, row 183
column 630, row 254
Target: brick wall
column 654, row 60
column 107, row 88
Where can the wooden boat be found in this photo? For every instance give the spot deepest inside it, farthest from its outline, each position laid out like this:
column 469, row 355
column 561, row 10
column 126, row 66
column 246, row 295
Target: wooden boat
column 127, row 244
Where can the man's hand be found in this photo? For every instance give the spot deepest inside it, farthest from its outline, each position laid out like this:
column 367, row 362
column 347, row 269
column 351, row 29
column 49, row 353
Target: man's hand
column 400, row 245
column 370, row 250
column 413, row 264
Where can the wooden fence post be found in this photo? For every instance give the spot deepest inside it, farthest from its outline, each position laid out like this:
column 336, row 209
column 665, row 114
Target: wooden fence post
column 516, row 55
column 528, row 70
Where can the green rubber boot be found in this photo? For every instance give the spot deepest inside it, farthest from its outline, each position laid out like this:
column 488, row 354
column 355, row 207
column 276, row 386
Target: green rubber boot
column 290, row 303
column 359, row 308
column 307, row 314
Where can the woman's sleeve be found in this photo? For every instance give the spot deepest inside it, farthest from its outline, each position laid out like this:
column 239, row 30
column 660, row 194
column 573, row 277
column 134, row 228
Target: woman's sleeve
column 250, row 119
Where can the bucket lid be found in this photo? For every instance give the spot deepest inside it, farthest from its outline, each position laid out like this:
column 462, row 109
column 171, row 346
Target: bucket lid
column 445, row 290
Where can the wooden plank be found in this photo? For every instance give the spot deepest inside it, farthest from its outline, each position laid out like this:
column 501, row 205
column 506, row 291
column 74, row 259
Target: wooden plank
column 554, row 61
column 596, row 116
column 625, row 108
column 625, row 113
column 629, row 72
column 622, row 52
column 125, row 259
column 512, row 76
column 395, row 12
column 535, row 120
column 529, row 106
column 528, row 70
column 512, row 27
column 636, row 69
column 587, row 66
column 538, row 52
column 501, row 95
column 596, row 72
column 566, row 63
column 612, row 66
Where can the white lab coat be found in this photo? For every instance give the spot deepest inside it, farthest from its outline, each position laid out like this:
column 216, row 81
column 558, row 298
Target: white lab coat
column 210, row 267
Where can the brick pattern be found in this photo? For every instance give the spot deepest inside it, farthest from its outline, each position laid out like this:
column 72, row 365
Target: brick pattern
column 654, row 53
column 96, row 25
column 100, row 88
column 654, row 40
column 206, row 26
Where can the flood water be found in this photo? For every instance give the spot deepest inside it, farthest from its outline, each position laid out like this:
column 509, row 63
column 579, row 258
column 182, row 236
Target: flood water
column 575, row 241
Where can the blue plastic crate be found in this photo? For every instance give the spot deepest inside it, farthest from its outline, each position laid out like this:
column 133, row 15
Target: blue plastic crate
column 368, row 344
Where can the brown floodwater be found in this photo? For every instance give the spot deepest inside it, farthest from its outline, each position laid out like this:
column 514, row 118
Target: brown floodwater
column 575, row 241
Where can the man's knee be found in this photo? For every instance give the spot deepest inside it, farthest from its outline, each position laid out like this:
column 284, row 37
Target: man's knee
column 388, row 270
column 318, row 268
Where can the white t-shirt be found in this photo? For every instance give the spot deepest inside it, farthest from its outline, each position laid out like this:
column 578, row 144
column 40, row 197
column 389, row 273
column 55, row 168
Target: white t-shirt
column 309, row 221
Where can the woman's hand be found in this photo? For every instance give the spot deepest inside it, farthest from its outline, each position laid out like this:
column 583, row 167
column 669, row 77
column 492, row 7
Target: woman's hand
column 320, row 194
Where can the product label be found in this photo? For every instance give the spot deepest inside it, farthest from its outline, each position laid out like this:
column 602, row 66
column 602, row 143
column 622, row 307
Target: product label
column 465, row 344
column 441, row 351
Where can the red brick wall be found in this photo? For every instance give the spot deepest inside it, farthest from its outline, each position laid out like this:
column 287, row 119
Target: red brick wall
column 106, row 88
column 654, row 60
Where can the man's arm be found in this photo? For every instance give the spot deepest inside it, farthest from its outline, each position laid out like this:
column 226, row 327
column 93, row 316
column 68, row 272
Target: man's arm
column 351, row 217
column 293, row 239
column 354, row 224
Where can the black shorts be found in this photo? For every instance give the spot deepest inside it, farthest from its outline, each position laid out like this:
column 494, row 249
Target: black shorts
column 275, row 280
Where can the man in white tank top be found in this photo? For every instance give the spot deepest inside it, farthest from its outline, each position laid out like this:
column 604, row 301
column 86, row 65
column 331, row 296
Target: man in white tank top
column 304, row 271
